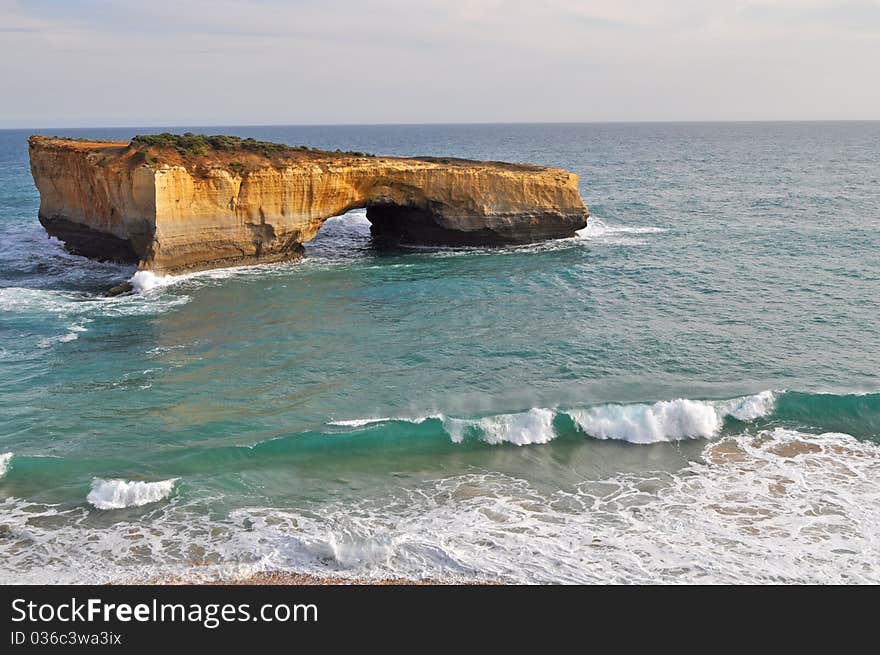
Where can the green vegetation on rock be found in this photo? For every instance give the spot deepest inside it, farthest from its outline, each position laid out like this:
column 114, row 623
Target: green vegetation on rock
column 198, row 145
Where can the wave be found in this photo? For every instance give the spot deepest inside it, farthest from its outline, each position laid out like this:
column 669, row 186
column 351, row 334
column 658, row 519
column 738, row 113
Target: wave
column 347, row 234
column 532, row 427
column 773, row 506
column 749, row 408
column 637, row 423
column 853, row 413
column 24, row 301
column 661, row 421
column 671, row 420
column 5, row 459
column 599, row 230
column 71, row 335
column 360, row 422
column 118, row 494
column 745, row 513
column 596, row 227
column 144, row 282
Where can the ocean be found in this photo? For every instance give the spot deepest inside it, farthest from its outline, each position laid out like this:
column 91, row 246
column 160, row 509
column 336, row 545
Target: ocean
column 686, row 392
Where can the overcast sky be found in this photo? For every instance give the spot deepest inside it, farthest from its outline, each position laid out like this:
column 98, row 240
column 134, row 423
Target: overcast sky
column 223, row 62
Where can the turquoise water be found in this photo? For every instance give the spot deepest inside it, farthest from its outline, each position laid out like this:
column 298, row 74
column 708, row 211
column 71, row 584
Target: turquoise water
column 686, row 392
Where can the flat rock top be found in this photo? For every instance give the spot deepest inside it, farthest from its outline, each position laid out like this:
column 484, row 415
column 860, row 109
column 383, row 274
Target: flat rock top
column 77, row 145
column 200, row 152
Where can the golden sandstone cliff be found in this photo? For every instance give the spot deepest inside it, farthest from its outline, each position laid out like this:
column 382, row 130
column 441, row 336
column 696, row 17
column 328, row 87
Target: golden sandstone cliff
column 176, row 203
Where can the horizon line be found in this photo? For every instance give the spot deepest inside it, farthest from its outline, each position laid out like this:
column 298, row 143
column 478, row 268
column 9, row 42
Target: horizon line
column 447, row 123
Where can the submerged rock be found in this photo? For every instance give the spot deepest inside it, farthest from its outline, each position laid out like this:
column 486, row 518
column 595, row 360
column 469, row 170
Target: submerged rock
column 175, row 203
column 119, row 289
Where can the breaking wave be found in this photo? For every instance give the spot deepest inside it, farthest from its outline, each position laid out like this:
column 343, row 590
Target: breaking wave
column 532, row 427
column 776, row 506
column 118, row 494
column 671, row 420
column 5, row 459
column 360, row 422
column 780, row 506
column 143, row 281
column 599, row 230
column 23, row 302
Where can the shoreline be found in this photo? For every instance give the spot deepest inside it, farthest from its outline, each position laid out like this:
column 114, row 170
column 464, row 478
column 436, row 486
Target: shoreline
column 285, row 579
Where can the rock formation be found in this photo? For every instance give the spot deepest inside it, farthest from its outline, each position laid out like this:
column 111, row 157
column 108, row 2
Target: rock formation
column 177, row 203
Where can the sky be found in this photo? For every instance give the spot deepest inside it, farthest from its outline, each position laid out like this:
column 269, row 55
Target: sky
column 68, row 63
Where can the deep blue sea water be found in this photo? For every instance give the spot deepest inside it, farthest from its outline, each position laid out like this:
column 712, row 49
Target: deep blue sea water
column 686, row 392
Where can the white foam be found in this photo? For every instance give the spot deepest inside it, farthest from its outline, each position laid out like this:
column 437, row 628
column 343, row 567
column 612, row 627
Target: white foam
column 671, row 420
column 81, row 307
column 750, row 407
column 117, row 494
column 71, row 335
column 360, row 422
column 24, row 300
column 663, row 421
column 597, row 229
column 778, row 506
column 143, row 281
column 5, row 458
column 532, row 427
column 146, row 281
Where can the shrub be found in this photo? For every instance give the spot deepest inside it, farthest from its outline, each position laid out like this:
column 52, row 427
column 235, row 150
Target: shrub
column 198, row 145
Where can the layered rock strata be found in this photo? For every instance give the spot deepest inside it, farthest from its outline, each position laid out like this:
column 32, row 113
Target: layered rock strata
column 172, row 210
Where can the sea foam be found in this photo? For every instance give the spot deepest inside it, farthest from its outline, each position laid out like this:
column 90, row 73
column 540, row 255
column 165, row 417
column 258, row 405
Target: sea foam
column 746, row 513
column 598, row 230
column 117, row 494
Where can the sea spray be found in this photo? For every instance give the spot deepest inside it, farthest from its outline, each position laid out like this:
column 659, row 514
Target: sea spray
column 143, row 281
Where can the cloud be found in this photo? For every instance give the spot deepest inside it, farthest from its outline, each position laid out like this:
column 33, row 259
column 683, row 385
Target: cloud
column 236, row 61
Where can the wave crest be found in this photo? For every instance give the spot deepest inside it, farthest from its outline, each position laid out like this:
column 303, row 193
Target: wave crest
column 669, row 420
column 118, row 494
column 5, row 458
column 666, row 420
column 532, row 427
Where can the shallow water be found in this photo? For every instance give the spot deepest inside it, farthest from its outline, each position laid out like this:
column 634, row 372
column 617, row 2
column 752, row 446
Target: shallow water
column 687, row 391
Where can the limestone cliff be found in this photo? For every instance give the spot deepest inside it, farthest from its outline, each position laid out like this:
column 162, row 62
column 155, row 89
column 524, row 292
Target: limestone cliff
column 214, row 204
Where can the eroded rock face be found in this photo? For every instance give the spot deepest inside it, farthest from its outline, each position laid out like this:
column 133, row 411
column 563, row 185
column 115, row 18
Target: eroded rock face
column 172, row 212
